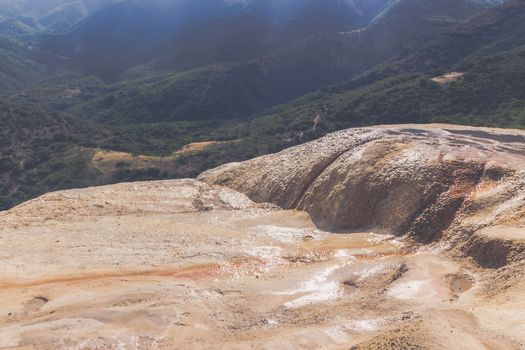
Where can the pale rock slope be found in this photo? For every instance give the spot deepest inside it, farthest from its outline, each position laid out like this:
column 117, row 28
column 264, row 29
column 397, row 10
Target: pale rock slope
column 409, row 179
column 429, row 251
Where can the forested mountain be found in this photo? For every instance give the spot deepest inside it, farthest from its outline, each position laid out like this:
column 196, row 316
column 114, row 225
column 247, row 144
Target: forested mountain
column 52, row 15
column 486, row 55
column 148, row 77
column 233, row 90
column 186, row 34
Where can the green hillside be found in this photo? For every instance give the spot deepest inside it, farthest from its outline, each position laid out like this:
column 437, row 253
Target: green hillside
column 239, row 90
column 55, row 119
column 489, row 50
column 36, row 152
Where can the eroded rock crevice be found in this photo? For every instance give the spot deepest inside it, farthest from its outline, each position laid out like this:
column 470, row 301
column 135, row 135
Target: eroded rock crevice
column 445, row 199
column 491, row 251
column 317, row 173
column 413, row 181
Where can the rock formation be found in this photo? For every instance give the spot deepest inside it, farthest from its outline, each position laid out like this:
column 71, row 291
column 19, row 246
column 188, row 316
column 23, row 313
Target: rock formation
column 429, row 251
column 416, row 180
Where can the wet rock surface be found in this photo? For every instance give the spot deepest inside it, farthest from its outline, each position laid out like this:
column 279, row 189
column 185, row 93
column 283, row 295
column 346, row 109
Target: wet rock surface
column 428, row 251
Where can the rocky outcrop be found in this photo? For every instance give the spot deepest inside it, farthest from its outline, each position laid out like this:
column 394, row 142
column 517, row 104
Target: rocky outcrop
column 192, row 265
column 498, row 246
column 127, row 199
column 416, row 180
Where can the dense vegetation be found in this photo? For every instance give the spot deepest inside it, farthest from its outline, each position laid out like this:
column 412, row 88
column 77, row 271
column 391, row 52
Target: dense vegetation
column 489, row 50
column 36, row 153
column 56, row 115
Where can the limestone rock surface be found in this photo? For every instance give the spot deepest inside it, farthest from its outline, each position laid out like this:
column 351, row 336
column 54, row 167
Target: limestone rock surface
column 408, row 179
column 406, row 237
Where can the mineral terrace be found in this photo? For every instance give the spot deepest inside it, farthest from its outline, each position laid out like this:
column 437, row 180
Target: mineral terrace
column 406, row 237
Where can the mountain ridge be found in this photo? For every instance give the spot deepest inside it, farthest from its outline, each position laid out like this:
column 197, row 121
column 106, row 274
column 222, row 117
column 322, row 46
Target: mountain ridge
column 248, row 107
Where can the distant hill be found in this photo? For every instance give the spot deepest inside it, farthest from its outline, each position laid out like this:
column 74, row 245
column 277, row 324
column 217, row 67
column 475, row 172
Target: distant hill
column 187, row 34
column 52, row 15
column 17, row 68
column 487, row 52
column 286, row 82
column 241, row 89
column 22, row 22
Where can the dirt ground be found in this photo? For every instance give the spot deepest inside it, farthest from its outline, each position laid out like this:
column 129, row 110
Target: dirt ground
column 185, row 265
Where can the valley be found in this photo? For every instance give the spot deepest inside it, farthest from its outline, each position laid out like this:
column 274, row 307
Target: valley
column 284, row 82
column 262, row 174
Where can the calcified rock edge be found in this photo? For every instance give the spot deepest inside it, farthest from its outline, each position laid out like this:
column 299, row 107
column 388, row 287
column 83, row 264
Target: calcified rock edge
column 429, row 251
